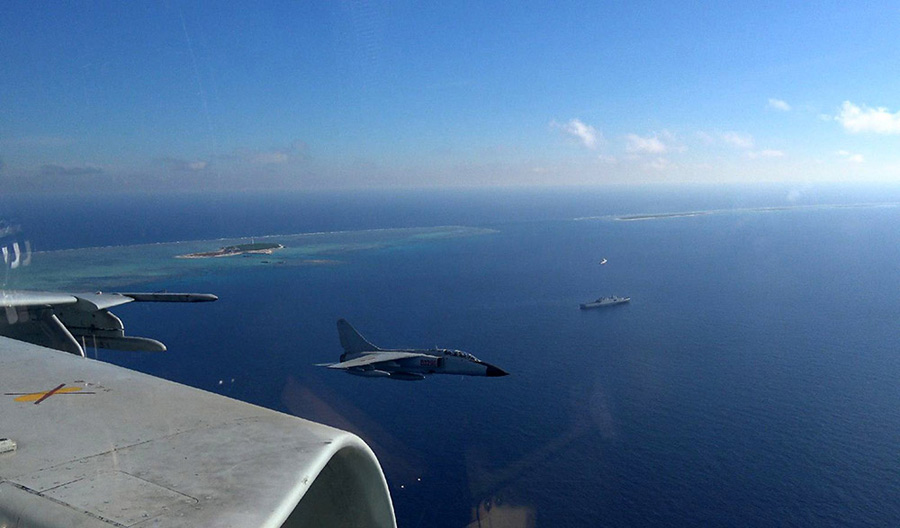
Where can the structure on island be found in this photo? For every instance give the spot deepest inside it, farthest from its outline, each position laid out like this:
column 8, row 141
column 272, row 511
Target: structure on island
column 260, row 248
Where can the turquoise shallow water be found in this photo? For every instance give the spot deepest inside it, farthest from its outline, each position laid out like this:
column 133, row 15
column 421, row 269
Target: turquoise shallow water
column 131, row 265
column 751, row 381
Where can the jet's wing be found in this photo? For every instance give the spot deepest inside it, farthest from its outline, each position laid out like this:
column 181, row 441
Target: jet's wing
column 377, row 357
column 23, row 298
column 73, row 321
column 98, row 300
column 94, row 445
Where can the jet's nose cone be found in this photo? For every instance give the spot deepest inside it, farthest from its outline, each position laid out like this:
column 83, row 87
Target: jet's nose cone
column 494, row 372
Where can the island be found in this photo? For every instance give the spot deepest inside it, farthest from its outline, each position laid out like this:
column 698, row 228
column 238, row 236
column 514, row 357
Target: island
column 261, row 248
column 663, row 215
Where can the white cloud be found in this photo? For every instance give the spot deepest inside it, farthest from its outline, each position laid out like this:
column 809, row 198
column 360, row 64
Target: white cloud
column 766, row 153
column 659, row 164
column 176, row 164
column 850, row 157
column 706, row 138
column 584, row 133
column 645, row 145
column 277, row 156
column 778, row 104
column 879, row 120
column 744, row 141
column 607, row 159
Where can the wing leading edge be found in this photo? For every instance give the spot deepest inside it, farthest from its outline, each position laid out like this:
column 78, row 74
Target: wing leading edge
column 377, row 357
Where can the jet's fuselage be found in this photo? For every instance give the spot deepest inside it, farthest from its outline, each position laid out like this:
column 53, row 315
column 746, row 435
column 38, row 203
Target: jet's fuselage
column 438, row 361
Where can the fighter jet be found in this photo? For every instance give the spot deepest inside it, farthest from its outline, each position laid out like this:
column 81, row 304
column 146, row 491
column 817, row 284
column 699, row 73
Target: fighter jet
column 362, row 358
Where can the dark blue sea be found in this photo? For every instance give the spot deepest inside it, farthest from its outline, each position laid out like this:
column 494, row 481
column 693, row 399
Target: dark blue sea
column 754, row 379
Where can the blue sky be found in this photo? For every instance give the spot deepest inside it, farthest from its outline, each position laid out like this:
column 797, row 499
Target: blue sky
column 179, row 95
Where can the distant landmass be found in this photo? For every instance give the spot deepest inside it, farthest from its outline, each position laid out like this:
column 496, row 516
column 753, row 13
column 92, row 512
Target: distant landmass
column 687, row 214
column 663, row 215
column 262, row 248
column 127, row 266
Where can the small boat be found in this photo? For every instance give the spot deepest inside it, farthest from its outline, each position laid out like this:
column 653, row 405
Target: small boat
column 605, row 301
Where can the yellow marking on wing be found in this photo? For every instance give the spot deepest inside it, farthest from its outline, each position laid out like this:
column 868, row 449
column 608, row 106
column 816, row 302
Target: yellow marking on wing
column 38, row 395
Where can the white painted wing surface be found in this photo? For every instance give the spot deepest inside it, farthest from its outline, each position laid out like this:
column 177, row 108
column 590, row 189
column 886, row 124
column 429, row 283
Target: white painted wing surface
column 90, row 301
column 101, row 301
column 24, row 298
column 377, row 357
column 98, row 446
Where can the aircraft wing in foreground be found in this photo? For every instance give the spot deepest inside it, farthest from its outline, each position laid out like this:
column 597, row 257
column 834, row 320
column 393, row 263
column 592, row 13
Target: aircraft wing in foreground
column 362, row 358
column 89, row 444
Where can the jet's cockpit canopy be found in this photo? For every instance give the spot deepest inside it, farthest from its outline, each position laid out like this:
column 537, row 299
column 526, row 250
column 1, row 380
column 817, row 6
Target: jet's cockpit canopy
column 459, row 353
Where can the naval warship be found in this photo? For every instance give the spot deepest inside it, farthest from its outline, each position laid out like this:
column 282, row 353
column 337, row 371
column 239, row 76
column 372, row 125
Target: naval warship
column 605, row 301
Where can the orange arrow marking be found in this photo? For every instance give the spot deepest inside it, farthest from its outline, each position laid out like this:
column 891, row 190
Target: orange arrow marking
column 38, row 397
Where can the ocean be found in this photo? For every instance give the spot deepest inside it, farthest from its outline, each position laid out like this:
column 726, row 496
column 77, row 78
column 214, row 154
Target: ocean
column 751, row 381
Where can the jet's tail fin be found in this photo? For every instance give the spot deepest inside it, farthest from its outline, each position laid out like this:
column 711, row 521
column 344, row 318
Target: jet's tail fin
column 351, row 340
